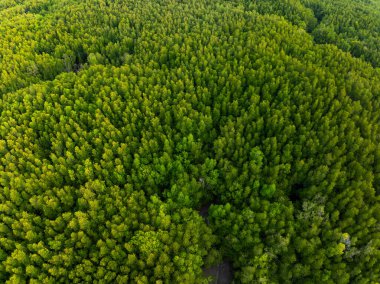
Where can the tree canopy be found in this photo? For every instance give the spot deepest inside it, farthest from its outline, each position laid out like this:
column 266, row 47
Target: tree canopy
column 120, row 120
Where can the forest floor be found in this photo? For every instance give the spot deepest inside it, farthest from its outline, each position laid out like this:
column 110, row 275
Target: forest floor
column 221, row 273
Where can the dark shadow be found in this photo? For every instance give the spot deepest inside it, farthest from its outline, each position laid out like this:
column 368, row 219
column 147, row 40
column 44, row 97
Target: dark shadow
column 295, row 192
column 203, row 210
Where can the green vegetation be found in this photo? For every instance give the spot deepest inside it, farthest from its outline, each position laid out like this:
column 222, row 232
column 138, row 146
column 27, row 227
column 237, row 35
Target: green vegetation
column 353, row 26
column 121, row 119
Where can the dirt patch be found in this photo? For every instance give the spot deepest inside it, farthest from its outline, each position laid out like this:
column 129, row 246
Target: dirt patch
column 221, row 273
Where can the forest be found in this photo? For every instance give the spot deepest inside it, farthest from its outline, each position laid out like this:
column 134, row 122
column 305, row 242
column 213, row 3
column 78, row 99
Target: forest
column 150, row 141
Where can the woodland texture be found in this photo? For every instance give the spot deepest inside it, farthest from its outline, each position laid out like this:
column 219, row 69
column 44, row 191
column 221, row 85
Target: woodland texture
column 120, row 120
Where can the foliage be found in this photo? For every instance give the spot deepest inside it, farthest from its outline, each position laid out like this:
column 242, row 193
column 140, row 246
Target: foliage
column 121, row 119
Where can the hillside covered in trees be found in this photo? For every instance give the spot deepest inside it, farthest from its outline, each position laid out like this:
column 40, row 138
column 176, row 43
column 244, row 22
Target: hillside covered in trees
column 146, row 141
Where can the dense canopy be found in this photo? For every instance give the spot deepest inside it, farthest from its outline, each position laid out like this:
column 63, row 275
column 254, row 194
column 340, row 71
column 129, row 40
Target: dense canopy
column 121, row 121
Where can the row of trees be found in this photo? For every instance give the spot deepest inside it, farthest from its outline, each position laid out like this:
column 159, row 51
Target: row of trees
column 178, row 105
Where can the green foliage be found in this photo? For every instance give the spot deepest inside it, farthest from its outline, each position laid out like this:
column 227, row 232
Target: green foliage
column 268, row 190
column 121, row 119
column 351, row 25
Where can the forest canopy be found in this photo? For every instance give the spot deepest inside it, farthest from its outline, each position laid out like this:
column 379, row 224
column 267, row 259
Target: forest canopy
column 147, row 141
